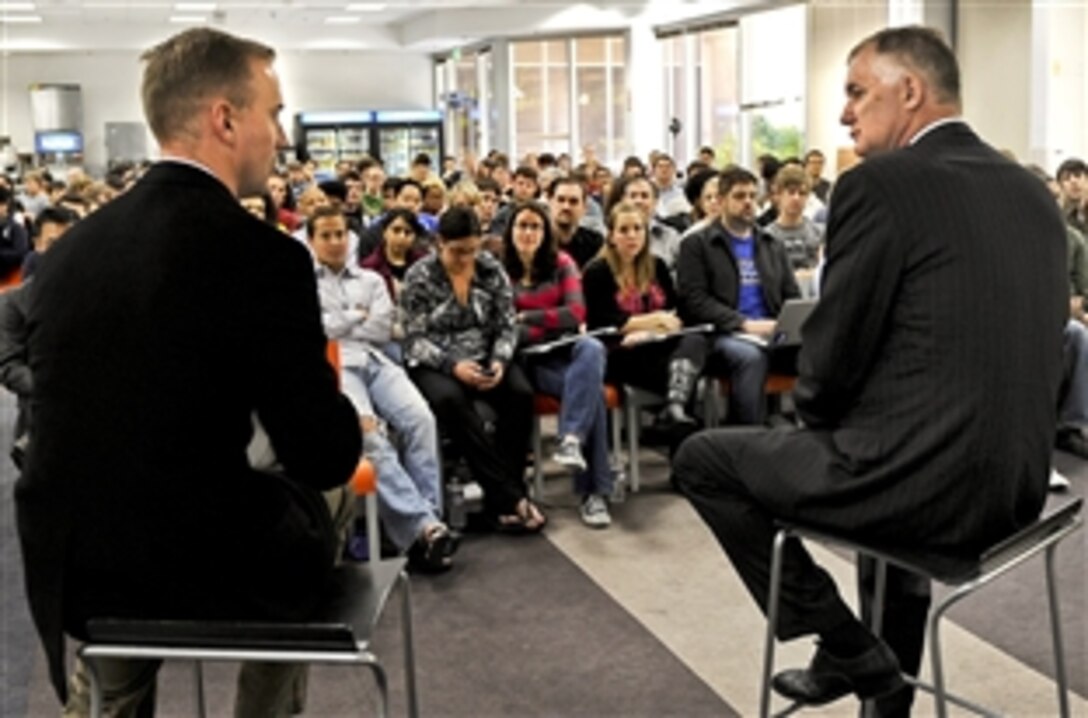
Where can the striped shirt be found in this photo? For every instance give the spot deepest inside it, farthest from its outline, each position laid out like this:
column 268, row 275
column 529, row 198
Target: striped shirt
column 553, row 307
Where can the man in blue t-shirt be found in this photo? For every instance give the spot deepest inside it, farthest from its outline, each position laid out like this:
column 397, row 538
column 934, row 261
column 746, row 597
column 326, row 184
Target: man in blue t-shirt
column 735, row 276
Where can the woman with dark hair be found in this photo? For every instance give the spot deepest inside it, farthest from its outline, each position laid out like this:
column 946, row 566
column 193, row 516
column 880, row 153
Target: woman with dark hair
column 396, row 251
column 701, row 191
column 460, row 333
column 549, row 304
column 629, row 288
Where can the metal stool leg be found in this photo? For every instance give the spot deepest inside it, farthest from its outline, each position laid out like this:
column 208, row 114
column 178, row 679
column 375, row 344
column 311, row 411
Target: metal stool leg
column 95, row 684
column 538, row 461
column 932, row 630
column 198, row 678
column 631, row 409
column 409, row 646
column 772, row 622
column 370, row 661
column 1056, row 633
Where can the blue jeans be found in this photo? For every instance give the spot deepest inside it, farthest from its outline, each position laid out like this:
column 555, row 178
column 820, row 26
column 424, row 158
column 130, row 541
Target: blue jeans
column 409, row 483
column 1074, row 401
column 747, row 365
column 578, row 381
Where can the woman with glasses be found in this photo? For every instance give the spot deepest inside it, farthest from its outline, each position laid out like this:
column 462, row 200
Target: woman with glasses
column 549, row 304
column 460, row 338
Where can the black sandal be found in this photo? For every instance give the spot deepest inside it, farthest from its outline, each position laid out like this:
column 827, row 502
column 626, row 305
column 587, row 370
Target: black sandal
column 527, row 519
column 433, row 550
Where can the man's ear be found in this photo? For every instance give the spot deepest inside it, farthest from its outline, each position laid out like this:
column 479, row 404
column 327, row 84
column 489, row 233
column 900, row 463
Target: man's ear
column 222, row 116
column 914, row 91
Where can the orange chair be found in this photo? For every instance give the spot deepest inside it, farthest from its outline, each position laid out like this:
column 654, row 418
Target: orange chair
column 12, row 279
column 547, row 405
column 364, row 482
column 775, row 386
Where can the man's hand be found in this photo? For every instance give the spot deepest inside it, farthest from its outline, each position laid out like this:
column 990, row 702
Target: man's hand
column 759, row 327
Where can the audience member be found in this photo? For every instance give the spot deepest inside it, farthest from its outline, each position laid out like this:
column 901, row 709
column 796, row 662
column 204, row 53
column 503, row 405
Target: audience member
column 52, row 223
column 460, row 337
column 1073, row 178
column 671, row 202
column 14, row 367
column 631, row 289
column 798, row 234
column 736, row 277
column 549, row 304
column 906, row 442
column 358, row 314
column 164, row 328
column 526, row 188
column 14, row 242
column 397, row 251
column 567, row 200
column 814, row 168
column 642, row 193
column 701, row 191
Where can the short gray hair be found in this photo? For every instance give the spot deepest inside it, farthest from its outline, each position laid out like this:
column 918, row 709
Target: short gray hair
column 922, row 49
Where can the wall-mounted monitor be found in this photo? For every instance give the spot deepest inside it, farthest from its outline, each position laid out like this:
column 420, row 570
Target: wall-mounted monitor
column 59, row 141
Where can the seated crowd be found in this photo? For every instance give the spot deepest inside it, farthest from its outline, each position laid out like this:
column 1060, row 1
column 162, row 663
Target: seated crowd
column 453, row 299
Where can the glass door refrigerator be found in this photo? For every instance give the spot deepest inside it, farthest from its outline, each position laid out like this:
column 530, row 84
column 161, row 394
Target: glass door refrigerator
column 329, row 137
column 402, row 134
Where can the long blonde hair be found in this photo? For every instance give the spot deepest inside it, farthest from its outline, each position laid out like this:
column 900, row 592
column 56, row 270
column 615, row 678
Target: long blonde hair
column 644, row 260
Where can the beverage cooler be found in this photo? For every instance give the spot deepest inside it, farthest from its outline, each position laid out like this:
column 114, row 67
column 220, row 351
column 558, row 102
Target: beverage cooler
column 402, row 134
column 394, row 136
column 328, row 137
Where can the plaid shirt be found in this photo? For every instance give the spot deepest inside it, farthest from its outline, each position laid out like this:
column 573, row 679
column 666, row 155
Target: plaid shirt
column 439, row 331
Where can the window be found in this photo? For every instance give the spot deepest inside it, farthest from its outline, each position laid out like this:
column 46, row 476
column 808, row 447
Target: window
column 554, row 114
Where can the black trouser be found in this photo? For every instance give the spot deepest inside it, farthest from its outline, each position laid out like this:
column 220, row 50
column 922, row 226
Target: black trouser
column 906, row 602
column 706, row 471
column 647, row 365
column 497, row 461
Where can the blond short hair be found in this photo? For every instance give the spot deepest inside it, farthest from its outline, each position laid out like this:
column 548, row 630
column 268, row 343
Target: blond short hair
column 188, row 68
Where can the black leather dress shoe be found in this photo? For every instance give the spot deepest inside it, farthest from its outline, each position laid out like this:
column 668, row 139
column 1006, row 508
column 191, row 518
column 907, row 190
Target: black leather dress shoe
column 869, row 675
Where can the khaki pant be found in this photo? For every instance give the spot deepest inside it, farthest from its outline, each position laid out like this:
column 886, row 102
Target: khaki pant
column 265, row 690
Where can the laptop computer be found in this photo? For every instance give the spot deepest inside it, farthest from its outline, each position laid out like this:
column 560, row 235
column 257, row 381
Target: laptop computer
column 787, row 327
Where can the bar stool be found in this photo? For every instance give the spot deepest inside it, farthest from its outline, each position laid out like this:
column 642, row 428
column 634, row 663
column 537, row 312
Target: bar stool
column 340, row 633
column 964, row 576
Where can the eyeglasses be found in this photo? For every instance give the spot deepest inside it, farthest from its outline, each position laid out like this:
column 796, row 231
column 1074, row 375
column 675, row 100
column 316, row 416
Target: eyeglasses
column 529, row 227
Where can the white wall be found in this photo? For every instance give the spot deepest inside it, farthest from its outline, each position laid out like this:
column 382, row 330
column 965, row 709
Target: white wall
column 834, row 28
column 110, row 82
column 995, row 54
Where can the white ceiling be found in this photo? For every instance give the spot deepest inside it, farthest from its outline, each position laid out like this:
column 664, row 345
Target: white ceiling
column 407, row 25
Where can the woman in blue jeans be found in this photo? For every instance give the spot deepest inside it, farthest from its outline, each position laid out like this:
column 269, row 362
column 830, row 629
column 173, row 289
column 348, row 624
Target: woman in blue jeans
column 549, row 305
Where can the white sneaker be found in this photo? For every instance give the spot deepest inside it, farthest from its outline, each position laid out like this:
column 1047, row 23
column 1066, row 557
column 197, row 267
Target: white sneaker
column 1058, row 482
column 595, row 512
column 569, row 453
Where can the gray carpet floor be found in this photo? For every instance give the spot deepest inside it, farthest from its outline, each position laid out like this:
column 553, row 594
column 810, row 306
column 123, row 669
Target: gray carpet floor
column 519, row 630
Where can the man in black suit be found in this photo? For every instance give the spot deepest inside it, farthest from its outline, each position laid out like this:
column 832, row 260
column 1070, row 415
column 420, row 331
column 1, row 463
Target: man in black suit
column 161, row 329
column 916, row 428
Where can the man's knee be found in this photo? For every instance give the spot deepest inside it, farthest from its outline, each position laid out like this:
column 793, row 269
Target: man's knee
column 690, row 462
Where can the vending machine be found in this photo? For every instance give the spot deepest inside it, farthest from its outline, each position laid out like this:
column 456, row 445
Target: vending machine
column 402, row 134
column 393, row 136
column 329, row 137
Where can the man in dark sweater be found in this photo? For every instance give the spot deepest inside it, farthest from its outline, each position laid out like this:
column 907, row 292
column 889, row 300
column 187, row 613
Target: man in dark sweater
column 567, row 201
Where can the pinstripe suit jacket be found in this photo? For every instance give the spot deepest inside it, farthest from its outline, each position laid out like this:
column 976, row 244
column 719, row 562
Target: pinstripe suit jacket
column 930, row 368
